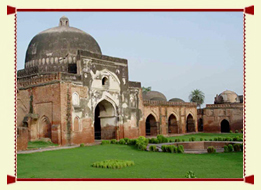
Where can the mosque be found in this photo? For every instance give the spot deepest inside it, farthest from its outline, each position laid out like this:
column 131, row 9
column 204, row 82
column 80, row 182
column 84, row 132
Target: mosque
column 70, row 93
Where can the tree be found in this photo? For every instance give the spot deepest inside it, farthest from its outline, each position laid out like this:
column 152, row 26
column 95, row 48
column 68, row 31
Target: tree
column 197, row 96
column 146, row 89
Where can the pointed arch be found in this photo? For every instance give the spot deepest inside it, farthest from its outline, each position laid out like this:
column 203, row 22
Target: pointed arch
column 225, row 127
column 190, row 124
column 108, row 99
column 173, row 124
column 105, row 120
column 44, row 127
column 151, row 126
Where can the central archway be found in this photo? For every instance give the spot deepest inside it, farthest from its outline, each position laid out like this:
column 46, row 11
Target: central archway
column 151, row 126
column 172, row 124
column 225, row 128
column 105, row 122
column 190, row 124
column 45, row 128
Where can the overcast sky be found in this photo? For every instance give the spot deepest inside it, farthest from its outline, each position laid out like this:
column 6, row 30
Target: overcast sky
column 172, row 52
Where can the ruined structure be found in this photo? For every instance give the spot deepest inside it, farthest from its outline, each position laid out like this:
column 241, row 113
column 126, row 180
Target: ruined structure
column 224, row 115
column 71, row 93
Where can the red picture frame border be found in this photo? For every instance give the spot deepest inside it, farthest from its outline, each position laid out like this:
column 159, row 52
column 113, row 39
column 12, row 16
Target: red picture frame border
column 246, row 10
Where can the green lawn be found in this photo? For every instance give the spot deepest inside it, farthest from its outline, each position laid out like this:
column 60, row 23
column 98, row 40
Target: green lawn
column 76, row 163
column 39, row 144
column 207, row 136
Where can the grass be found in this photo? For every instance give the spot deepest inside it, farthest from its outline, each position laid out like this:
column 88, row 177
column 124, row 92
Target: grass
column 76, row 163
column 39, row 144
column 207, row 136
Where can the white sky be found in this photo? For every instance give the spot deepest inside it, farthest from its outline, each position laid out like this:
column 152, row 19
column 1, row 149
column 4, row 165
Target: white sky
column 172, row 52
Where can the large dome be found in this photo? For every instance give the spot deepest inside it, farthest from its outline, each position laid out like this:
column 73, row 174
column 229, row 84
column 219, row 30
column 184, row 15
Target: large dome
column 154, row 95
column 59, row 43
column 230, row 97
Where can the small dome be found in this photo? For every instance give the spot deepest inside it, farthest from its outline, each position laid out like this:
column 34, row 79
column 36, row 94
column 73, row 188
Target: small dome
column 176, row 100
column 154, row 95
column 230, row 97
column 59, row 42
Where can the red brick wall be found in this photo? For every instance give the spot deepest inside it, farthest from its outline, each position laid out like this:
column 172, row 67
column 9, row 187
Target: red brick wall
column 84, row 136
column 22, row 138
column 212, row 119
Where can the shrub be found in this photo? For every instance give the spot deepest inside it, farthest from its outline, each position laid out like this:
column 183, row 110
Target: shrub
column 190, row 174
column 175, row 149
column 237, row 138
column 236, row 131
column 126, row 140
column 152, row 140
column 230, row 148
column 231, row 131
column 171, row 140
column 228, row 139
column 153, row 148
column 201, row 139
column 141, row 143
column 122, row 141
column 105, row 142
column 205, row 139
column 183, row 140
column 113, row 164
column 236, row 147
column 143, row 147
column 215, row 139
column 164, row 148
column 241, row 130
column 113, row 141
column 192, row 139
column 162, row 139
column 241, row 147
column 226, row 148
column 180, row 149
column 211, row 149
column 132, row 142
column 82, row 145
column 171, row 149
column 220, row 139
column 210, row 139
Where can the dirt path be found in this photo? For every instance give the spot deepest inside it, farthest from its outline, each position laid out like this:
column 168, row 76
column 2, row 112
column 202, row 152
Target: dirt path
column 55, row 148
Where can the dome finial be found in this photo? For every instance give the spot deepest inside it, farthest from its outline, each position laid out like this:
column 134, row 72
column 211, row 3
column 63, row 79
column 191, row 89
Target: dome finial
column 64, row 21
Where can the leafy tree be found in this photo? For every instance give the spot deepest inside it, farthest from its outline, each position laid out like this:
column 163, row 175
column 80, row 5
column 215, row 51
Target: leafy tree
column 146, row 89
column 197, row 96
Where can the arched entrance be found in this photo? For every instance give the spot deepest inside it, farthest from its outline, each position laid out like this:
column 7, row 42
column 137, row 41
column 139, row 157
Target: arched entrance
column 105, row 121
column 190, row 124
column 45, row 128
column 172, row 124
column 200, row 124
column 225, row 128
column 151, row 126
